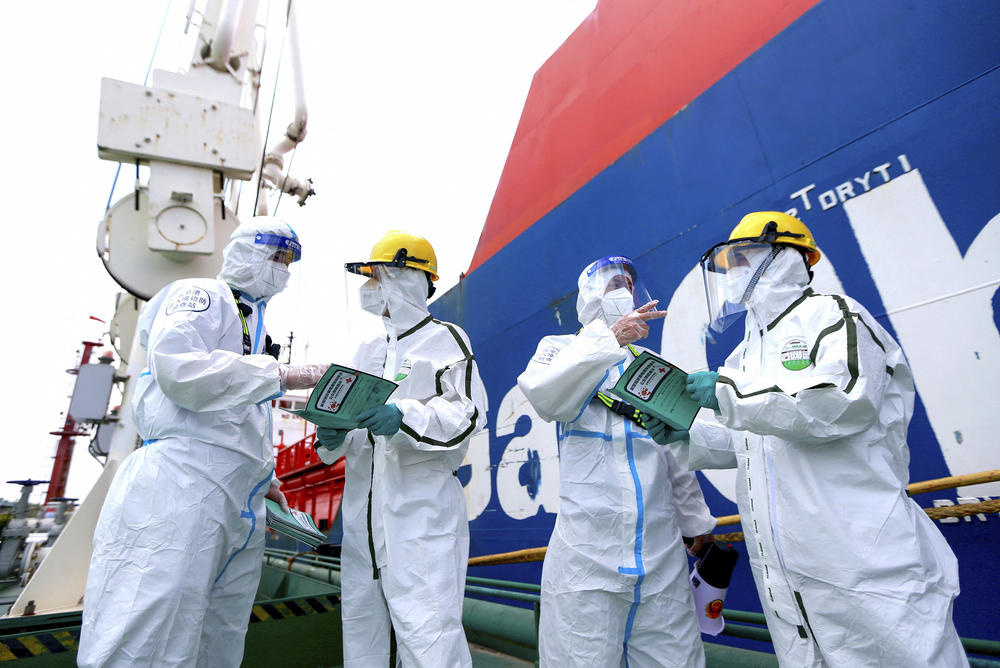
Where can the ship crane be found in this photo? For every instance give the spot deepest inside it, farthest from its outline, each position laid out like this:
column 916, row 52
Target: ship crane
column 198, row 133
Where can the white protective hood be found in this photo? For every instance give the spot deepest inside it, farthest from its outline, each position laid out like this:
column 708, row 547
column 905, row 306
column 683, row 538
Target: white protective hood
column 245, row 264
column 779, row 285
column 405, row 294
column 594, row 301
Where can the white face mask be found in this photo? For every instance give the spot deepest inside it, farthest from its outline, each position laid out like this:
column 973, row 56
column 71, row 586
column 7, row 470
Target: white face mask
column 371, row 297
column 271, row 278
column 275, row 275
column 741, row 280
column 615, row 304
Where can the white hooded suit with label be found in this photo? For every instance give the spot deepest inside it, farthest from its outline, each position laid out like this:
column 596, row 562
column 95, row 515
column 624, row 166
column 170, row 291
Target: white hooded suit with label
column 179, row 544
column 814, row 406
column 406, row 532
column 615, row 585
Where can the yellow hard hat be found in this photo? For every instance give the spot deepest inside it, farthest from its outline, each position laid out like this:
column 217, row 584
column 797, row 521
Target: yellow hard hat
column 777, row 228
column 399, row 249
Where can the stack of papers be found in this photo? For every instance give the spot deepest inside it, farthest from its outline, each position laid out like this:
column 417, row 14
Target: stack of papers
column 658, row 388
column 342, row 394
column 297, row 524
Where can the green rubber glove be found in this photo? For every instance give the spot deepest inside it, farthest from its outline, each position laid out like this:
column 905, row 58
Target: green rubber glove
column 329, row 438
column 661, row 433
column 382, row 421
column 701, row 388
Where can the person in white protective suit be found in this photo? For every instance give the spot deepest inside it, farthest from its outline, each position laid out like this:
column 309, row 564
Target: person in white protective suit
column 406, row 534
column 615, row 585
column 813, row 407
column 179, row 543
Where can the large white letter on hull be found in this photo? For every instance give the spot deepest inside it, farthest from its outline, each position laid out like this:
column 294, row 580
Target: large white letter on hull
column 940, row 304
column 528, row 472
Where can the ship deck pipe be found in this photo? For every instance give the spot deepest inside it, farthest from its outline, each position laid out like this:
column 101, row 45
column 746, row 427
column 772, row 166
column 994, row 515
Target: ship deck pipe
column 502, row 593
column 225, row 34
column 502, row 627
column 296, row 132
column 489, row 582
column 515, row 627
column 297, row 128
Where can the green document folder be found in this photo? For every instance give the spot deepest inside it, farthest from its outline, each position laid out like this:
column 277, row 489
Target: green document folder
column 656, row 387
column 342, row 394
column 297, row 524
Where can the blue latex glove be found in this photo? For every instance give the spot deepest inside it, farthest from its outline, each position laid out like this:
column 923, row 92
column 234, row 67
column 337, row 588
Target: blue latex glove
column 701, row 388
column 329, row 438
column 661, row 433
column 382, row 421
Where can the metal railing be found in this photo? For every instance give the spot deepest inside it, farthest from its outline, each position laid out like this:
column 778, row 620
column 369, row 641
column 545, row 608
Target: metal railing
column 739, row 623
column 938, row 484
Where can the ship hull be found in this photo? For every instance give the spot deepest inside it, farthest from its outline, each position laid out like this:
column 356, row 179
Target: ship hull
column 876, row 123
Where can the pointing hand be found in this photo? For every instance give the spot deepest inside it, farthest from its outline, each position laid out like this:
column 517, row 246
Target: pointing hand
column 632, row 326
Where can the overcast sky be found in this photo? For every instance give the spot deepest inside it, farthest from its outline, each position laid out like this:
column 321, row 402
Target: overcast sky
column 412, row 109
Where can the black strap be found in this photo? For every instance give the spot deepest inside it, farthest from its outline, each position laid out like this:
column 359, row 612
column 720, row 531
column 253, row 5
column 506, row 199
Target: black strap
column 621, row 408
column 247, row 343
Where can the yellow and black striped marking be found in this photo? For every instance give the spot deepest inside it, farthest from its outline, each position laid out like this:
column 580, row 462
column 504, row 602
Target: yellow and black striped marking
column 309, row 605
column 67, row 640
column 27, row 646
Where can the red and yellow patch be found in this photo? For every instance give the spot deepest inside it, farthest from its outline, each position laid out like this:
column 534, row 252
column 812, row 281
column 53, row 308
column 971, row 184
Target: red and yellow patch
column 714, row 609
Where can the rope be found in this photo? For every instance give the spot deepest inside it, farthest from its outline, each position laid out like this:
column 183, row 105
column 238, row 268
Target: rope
column 964, row 509
column 735, row 537
column 959, row 510
column 963, row 480
column 518, row 557
column 924, row 487
column 267, row 133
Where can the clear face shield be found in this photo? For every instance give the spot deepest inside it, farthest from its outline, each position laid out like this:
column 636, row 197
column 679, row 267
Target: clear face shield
column 731, row 271
column 286, row 250
column 611, row 289
column 383, row 289
column 365, row 293
column 364, row 305
column 281, row 252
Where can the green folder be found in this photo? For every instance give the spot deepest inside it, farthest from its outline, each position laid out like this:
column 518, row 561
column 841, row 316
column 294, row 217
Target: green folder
column 297, row 524
column 342, row 394
column 657, row 387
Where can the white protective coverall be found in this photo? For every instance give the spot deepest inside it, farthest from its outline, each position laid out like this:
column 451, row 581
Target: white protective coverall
column 179, row 544
column 615, row 587
column 850, row 571
column 406, row 531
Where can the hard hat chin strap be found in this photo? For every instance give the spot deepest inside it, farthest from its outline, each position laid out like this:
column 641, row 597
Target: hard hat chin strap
column 775, row 249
